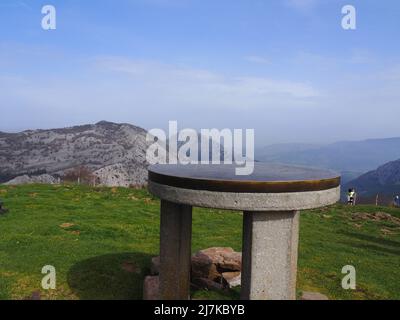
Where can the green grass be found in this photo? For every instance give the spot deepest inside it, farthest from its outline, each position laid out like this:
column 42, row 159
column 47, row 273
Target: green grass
column 109, row 235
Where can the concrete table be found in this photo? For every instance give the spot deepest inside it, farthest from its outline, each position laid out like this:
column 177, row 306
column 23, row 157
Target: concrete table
column 270, row 198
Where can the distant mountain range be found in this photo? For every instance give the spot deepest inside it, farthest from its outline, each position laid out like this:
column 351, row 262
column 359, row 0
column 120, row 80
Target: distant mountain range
column 384, row 181
column 351, row 158
column 116, row 155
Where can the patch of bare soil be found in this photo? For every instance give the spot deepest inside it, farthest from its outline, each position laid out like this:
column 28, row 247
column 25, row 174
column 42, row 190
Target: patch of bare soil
column 130, row 267
column 376, row 216
column 67, row 225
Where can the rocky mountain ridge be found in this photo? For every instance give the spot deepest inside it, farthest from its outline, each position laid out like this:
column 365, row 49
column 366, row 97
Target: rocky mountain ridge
column 384, row 180
column 115, row 153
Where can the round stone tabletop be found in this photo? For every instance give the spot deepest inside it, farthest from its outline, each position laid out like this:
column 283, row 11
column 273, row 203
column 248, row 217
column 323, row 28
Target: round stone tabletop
column 270, row 187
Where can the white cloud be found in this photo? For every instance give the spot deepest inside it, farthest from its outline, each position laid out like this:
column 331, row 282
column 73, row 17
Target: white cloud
column 213, row 89
column 302, row 5
column 16, row 4
column 361, row 56
column 257, row 59
column 148, row 94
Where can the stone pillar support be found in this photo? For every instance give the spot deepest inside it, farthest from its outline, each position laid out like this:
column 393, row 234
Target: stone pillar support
column 175, row 251
column 270, row 244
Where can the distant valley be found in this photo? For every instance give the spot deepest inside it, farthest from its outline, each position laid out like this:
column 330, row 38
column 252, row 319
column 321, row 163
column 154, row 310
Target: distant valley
column 350, row 158
column 115, row 154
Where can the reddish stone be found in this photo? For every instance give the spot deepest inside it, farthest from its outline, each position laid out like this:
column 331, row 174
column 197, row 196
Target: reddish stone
column 313, row 296
column 232, row 279
column 212, row 262
column 130, row 267
column 151, row 288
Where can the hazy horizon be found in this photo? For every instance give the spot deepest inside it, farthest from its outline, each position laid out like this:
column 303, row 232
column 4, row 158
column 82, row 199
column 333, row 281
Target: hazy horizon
column 257, row 145
column 284, row 68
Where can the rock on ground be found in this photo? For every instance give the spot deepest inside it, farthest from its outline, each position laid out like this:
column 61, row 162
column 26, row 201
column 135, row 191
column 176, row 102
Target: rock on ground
column 214, row 268
column 232, row 279
column 25, row 179
column 211, row 263
column 122, row 175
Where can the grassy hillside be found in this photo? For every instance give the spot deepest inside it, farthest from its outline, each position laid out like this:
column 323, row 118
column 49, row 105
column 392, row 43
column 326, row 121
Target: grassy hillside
column 101, row 241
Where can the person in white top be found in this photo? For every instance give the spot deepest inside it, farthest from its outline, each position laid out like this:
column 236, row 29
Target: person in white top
column 351, row 197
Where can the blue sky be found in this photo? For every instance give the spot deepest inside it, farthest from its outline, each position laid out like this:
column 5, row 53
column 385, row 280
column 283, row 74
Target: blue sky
column 283, row 67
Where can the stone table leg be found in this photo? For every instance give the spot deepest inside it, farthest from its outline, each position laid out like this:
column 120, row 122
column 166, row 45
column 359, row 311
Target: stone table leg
column 175, row 251
column 270, row 243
